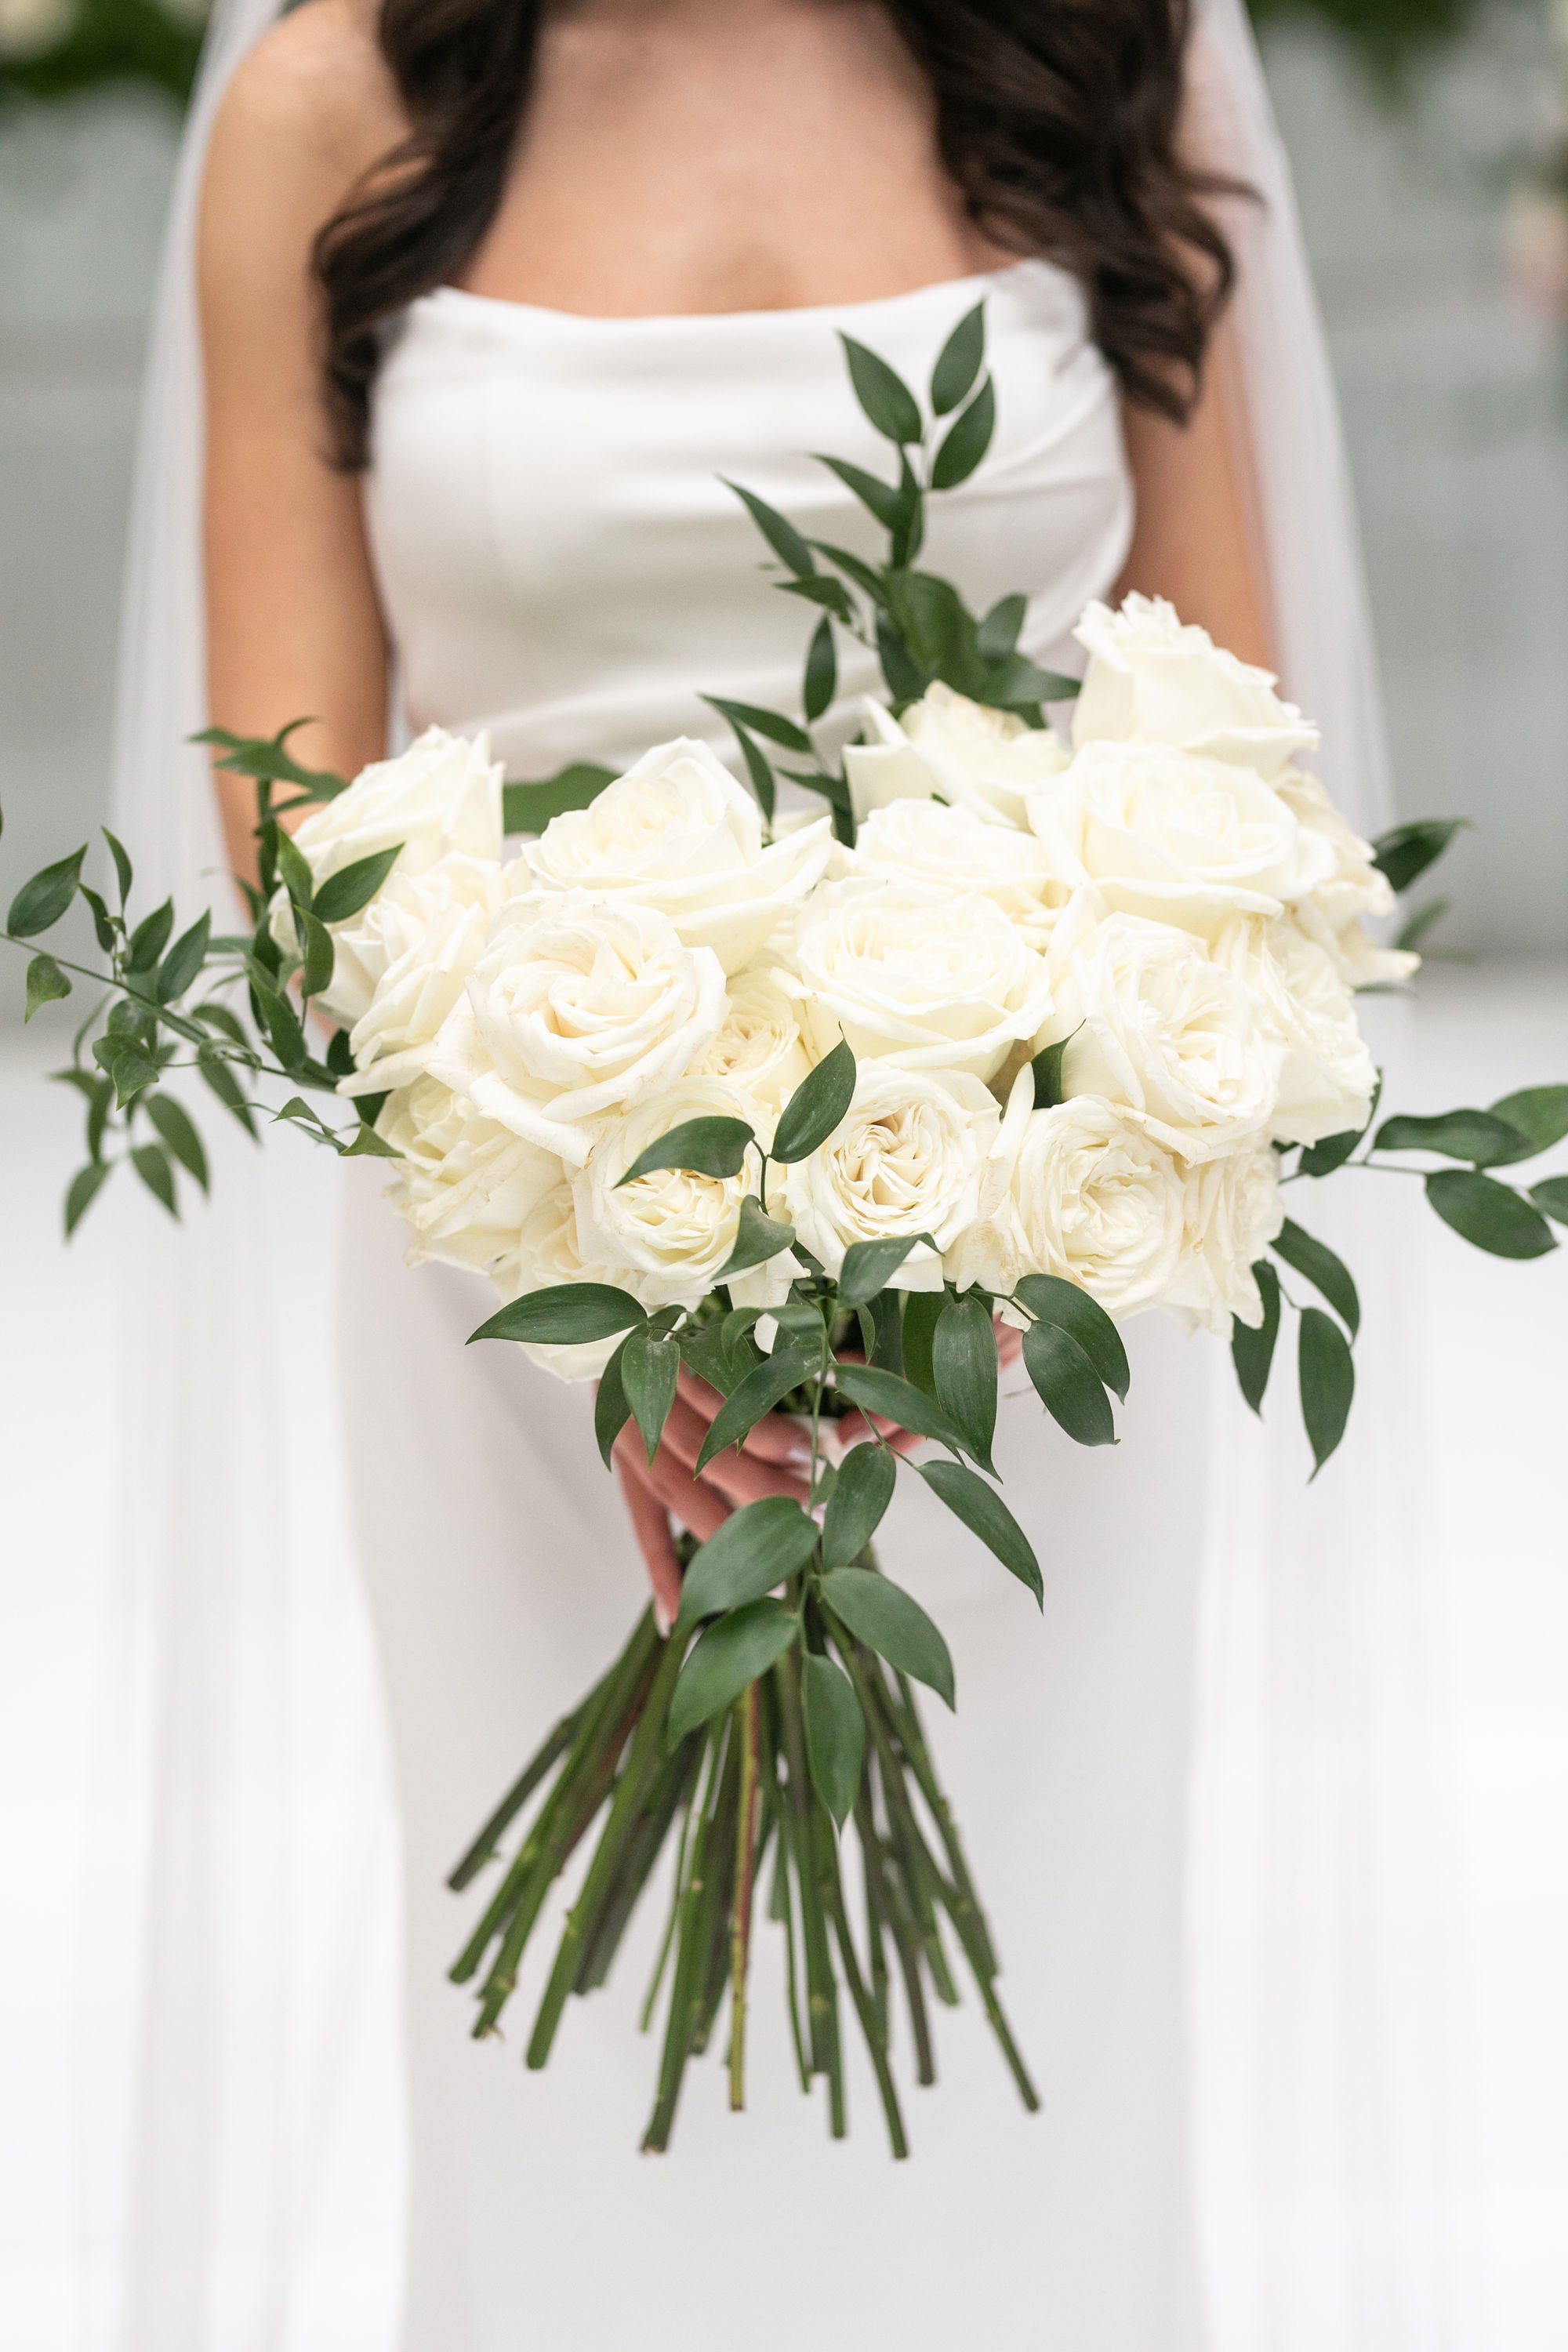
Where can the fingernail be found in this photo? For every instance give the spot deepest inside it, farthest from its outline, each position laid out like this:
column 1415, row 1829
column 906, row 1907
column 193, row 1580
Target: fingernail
column 662, row 1620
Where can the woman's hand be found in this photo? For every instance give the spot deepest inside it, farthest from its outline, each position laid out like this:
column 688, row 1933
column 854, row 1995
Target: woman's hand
column 775, row 1459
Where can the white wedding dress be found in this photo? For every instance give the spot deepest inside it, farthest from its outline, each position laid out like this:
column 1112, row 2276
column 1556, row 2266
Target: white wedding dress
column 562, row 565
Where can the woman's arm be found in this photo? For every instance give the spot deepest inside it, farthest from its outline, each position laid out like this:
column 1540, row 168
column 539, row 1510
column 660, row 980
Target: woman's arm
column 294, row 630
column 1195, row 539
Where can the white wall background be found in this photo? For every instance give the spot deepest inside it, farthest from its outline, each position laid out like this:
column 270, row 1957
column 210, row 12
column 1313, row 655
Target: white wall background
column 1457, row 406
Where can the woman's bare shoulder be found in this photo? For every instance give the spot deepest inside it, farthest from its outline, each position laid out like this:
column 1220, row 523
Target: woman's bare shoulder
column 308, row 110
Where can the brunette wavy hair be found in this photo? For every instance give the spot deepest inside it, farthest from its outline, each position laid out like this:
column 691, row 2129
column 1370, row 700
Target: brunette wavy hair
column 1057, row 120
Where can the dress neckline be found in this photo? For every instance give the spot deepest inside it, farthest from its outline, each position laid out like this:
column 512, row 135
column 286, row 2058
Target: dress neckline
column 501, row 305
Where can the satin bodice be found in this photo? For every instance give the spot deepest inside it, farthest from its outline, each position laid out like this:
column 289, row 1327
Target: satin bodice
column 560, row 559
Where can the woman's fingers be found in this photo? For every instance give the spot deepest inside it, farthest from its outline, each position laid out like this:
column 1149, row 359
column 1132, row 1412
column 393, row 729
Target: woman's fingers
column 739, row 1477
column 775, row 1438
column 650, row 1525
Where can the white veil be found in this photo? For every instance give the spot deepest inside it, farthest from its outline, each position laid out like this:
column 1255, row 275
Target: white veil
column 249, row 2198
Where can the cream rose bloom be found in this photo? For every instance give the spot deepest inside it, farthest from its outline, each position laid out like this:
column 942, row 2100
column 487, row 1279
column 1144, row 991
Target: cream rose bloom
column 678, row 834
column 464, row 1184
column 1155, row 1026
column 1152, row 679
column 444, row 794
column 1327, row 1076
column 669, row 1232
column 1354, row 892
column 1095, row 1198
column 908, row 1157
column 1176, row 837
column 1232, row 1212
column 975, row 758
column 547, row 1252
column 911, row 974
column 760, row 1046
column 578, row 1007
column 401, row 963
column 953, row 850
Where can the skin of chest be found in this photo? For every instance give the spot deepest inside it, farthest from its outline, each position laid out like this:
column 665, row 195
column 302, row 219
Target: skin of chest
column 756, row 154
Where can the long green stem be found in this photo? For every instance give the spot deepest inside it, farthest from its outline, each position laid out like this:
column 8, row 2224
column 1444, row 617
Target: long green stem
column 749, row 1733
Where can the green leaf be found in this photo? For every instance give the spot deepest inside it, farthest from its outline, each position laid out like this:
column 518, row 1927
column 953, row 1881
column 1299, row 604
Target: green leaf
column 269, row 760
column 776, row 728
column 777, row 530
column 1047, row 1069
column 959, row 361
column 1490, row 1215
column 757, row 767
column 294, row 870
column 815, row 1108
column 123, row 872
column 759, row 1546
column 529, row 808
column 1072, row 1389
column 343, row 894
column 1322, row 1159
column 758, row 1238
column 869, row 1266
column 1540, row 1115
column 923, row 1311
column 910, row 529
column 1405, row 854
column 151, row 1162
column 220, row 1077
column 103, row 930
column 1327, row 1374
column 905, row 679
column 281, row 1023
column 881, row 498
column 835, row 1735
column 321, row 955
column 821, row 671
column 889, row 1620
column 40, row 903
column 984, row 1513
column 882, row 393
column 966, row 441
column 1052, row 1300
column 895, row 1400
column 964, row 1363
column 46, row 984
column 367, row 1144
column 612, row 1409
column 1023, row 684
column 758, row 1393
column 854, row 567
column 150, row 938
column 183, row 960
column 128, row 1062
column 1479, row 1136
column 1323, row 1269
column 567, row 1314
column 707, row 1146
column 998, row 632
column 174, row 1124
column 1552, row 1197
column 649, row 1369
column 829, row 595
column 861, row 1494
column 1425, row 921
column 1252, row 1348
column 729, row 1656
column 84, row 1188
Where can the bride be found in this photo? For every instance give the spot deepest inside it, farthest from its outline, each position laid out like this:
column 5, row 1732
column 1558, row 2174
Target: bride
column 492, row 293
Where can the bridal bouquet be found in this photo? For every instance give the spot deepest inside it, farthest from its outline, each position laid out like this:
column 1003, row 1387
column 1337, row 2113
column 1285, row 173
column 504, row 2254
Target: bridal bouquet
column 1023, row 1031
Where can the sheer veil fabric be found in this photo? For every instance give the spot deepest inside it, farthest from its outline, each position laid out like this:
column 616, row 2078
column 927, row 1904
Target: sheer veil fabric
column 249, row 2194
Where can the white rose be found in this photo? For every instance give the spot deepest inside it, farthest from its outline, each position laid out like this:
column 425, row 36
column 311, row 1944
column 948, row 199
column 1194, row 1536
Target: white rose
column 577, row 1007
column 1354, row 892
column 464, row 1184
column 401, row 963
column 1096, row 1200
column 908, row 1157
column 1232, row 1212
column 1356, row 956
column 1178, row 838
column 1152, row 679
column 1327, row 1075
column 678, row 833
column 444, row 794
column 976, row 758
column 1154, row 1024
column 759, row 1047
column 911, row 975
column 953, row 850
column 547, row 1252
column 669, row 1231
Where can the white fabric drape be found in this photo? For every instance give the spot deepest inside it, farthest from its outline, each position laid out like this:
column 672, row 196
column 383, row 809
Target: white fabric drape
column 248, row 2198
